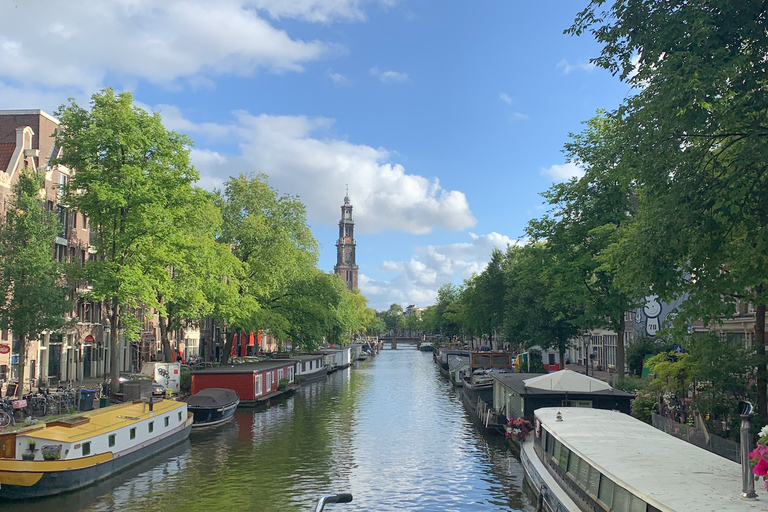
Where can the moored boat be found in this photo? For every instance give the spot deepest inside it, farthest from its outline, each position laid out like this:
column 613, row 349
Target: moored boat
column 74, row 452
column 212, row 406
column 593, row 459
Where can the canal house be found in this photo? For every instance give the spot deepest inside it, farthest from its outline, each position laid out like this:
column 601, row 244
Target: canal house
column 254, row 383
column 517, row 395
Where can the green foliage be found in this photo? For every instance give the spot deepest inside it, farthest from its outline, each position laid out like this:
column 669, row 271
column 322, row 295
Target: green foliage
column 34, row 297
column 131, row 178
column 185, row 381
column 640, row 348
column 282, row 385
column 644, row 405
column 535, row 364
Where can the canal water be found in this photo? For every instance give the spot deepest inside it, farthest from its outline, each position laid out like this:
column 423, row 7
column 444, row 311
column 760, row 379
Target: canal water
column 389, row 430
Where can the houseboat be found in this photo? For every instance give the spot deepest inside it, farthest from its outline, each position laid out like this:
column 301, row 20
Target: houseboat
column 308, row 367
column 518, row 395
column 593, row 459
column 458, row 369
column 212, row 406
column 477, row 392
column 255, row 383
column 336, row 358
column 444, row 354
column 76, row 451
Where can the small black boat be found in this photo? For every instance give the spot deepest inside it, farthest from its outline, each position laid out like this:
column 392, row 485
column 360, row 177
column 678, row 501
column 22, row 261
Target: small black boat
column 212, row 406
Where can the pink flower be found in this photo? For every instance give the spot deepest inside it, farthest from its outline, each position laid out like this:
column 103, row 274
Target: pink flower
column 761, row 468
column 759, row 451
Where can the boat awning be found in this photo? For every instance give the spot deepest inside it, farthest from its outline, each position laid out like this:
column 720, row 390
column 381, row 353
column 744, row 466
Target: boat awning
column 567, row 380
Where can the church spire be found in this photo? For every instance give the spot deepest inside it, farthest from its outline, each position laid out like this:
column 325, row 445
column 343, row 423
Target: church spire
column 346, row 266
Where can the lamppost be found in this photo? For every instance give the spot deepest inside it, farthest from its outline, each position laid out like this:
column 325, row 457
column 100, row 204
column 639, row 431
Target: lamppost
column 748, row 481
column 592, row 360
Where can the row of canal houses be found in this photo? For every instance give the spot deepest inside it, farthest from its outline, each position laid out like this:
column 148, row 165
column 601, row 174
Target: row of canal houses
column 258, row 382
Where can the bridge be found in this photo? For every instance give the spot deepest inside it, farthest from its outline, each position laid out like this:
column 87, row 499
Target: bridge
column 394, row 340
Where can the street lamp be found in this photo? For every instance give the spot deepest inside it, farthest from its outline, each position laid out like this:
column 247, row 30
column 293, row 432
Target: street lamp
column 592, row 359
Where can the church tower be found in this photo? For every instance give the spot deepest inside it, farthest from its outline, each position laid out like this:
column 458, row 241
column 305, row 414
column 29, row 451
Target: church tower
column 345, row 246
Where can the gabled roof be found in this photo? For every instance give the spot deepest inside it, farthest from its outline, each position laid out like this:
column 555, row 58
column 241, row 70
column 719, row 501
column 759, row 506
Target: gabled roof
column 6, row 152
column 517, row 382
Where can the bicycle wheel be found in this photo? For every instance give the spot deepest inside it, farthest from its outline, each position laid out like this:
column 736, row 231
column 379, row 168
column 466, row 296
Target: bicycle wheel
column 5, row 419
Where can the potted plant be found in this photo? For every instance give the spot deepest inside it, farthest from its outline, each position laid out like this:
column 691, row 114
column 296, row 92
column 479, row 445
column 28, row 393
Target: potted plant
column 27, row 456
column 31, row 444
column 52, row 452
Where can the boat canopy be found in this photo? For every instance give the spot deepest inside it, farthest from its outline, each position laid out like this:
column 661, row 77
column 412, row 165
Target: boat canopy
column 566, row 380
column 212, row 397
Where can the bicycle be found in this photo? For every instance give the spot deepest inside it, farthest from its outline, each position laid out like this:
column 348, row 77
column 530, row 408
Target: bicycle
column 342, row 497
column 7, row 413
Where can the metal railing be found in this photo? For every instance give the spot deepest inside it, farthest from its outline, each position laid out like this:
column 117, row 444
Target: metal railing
column 718, row 445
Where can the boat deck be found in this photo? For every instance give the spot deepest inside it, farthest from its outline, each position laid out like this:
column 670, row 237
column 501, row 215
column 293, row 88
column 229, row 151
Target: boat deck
column 100, row 421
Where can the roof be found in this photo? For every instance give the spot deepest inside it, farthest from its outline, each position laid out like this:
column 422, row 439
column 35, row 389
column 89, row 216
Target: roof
column 246, row 367
column 302, row 357
column 517, row 382
column 666, row 472
column 212, row 397
column 104, row 420
column 567, row 380
column 458, row 363
column 6, row 152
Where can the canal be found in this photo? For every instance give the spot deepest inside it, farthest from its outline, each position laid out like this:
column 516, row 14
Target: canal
column 389, row 430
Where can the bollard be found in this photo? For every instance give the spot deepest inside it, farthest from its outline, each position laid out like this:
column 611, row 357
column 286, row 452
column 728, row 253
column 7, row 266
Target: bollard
column 747, row 480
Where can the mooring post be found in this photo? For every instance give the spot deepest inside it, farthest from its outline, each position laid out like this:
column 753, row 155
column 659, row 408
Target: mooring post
column 747, row 480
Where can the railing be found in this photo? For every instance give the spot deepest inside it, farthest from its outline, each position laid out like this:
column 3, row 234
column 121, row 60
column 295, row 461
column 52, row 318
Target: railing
column 718, row 445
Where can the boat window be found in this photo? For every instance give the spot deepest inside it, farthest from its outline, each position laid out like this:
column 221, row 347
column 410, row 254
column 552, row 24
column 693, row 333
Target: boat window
column 636, row 504
column 605, row 495
column 620, row 499
column 167, row 421
column 151, row 426
column 111, row 440
column 573, row 465
column 133, row 433
column 563, row 459
column 556, row 453
column 594, row 481
column 179, row 415
column 86, row 448
column 583, row 474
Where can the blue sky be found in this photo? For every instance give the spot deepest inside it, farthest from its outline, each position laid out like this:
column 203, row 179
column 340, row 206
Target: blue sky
column 446, row 119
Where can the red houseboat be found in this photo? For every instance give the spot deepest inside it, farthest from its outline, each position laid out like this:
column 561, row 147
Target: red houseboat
column 254, row 383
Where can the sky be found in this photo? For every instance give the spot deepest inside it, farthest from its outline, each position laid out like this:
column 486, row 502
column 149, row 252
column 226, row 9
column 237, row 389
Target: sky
column 445, row 119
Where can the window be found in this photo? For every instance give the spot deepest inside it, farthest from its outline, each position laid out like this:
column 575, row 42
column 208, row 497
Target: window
column 551, row 359
column 179, row 415
column 257, row 385
column 133, row 433
column 167, row 421
column 111, row 440
column 573, row 466
column 151, row 426
column 563, row 459
column 621, row 499
column 582, row 475
column 605, row 495
column 594, row 481
column 86, row 448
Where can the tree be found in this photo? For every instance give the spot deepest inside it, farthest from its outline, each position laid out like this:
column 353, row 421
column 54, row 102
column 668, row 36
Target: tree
column 694, row 136
column 35, row 298
column 586, row 215
column 539, row 310
column 268, row 233
column 131, row 176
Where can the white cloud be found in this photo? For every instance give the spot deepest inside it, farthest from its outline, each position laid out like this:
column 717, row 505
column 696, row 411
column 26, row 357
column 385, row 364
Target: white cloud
column 505, row 98
column 79, row 43
column 563, row 172
column 301, row 156
column 339, row 79
column 567, row 68
column 417, row 281
column 389, row 76
column 322, row 11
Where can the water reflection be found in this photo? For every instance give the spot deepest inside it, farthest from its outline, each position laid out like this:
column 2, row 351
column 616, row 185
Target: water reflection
column 390, row 431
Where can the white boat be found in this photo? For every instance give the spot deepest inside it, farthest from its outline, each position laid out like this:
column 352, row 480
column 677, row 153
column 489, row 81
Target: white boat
column 593, row 459
column 73, row 452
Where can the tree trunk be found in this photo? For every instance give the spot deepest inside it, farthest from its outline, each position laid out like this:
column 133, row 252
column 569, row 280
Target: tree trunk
column 114, row 345
column 228, row 341
column 762, row 370
column 620, row 357
column 168, row 354
column 22, row 361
